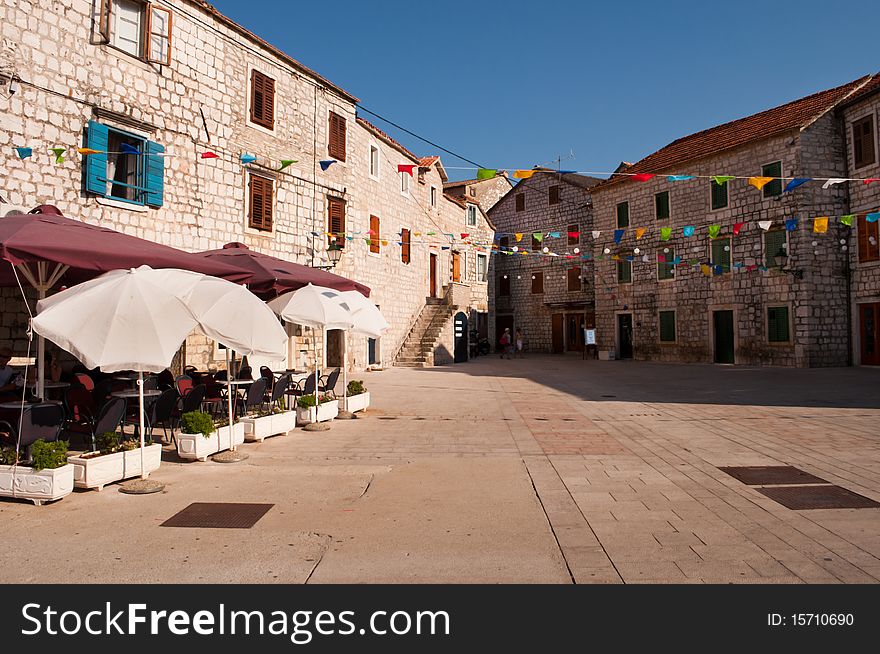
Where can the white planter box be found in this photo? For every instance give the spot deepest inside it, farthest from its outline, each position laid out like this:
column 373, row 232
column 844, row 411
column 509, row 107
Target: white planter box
column 97, row 471
column 283, row 422
column 354, row 403
column 321, row 413
column 38, row 486
column 196, row 446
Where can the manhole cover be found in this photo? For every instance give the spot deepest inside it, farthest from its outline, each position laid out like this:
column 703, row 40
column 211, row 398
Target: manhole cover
column 218, row 515
column 799, row 498
column 771, row 475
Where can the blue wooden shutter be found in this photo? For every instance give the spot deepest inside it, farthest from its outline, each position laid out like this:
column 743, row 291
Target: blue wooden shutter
column 155, row 174
column 95, row 165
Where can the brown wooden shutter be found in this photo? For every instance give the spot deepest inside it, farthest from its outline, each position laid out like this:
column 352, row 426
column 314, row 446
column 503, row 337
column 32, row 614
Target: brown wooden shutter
column 336, row 221
column 260, row 203
column 538, row 282
column 404, row 248
column 866, row 230
column 374, row 234
column 520, row 202
column 863, row 142
column 554, row 194
column 504, row 286
column 262, row 100
column 456, row 267
column 336, row 146
column 574, row 279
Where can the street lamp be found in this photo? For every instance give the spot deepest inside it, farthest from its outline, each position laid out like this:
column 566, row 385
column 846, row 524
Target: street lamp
column 781, row 258
column 334, row 253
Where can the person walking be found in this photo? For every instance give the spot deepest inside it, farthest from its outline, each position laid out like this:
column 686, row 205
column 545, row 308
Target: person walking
column 504, row 342
column 518, row 342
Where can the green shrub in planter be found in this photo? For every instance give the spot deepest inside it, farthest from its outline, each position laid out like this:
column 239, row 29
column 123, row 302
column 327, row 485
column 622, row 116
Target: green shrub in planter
column 108, row 442
column 197, row 422
column 47, row 456
column 308, row 401
column 8, row 456
column 356, row 387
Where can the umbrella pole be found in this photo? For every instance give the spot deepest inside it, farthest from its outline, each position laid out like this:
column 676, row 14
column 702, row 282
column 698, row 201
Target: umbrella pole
column 315, row 345
column 41, row 357
column 142, row 486
column 229, row 397
column 141, row 418
column 345, row 373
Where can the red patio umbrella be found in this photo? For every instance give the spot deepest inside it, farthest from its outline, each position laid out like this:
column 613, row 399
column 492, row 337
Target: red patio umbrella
column 272, row 276
column 47, row 249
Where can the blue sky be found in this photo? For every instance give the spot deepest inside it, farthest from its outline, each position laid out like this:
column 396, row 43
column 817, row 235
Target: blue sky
column 514, row 84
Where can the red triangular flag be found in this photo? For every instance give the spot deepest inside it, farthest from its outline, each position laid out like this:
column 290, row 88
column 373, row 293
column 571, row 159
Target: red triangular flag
column 464, row 236
column 209, row 155
column 643, row 177
column 737, row 227
column 872, row 179
column 406, row 168
column 574, row 235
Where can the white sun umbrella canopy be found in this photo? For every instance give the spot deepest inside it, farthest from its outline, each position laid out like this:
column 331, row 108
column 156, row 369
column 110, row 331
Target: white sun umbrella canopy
column 368, row 321
column 317, row 307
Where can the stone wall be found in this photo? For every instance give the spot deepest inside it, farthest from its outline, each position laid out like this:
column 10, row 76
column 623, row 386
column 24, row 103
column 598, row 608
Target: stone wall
column 486, row 192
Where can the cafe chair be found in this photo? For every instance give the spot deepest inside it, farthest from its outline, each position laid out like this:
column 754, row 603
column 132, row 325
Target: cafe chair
column 162, row 413
column 327, row 383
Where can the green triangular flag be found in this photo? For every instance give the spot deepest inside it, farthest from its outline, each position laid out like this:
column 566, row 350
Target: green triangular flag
column 287, row 162
column 847, row 220
column 59, row 154
column 665, row 233
column 538, row 236
column 721, row 180
column 486, row 173
column 714, row 231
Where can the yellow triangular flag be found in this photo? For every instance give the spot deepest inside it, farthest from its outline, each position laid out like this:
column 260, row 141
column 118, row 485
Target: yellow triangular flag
column 640, row 231
column 706, row 270
column 523, row 174
column 820, row 225
column 417, row 233
column 518, row 237
column 760, row 182
column 384, row 242
column 88, row 151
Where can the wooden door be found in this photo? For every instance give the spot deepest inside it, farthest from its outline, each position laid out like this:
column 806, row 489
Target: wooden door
column 869, row 327
column 433, row 276
column 723, row 328
column 624, row 336
column 558, row 327
column 502, row 323
column 456, row 267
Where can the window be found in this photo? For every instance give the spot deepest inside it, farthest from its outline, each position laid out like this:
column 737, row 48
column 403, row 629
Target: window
column 336, row 145
column 720, row 252
column 772, row 188
column 574, row 234
column 863, row 142
column 777, row 325
column 866, row 232
column 374, row 161
column 504, row 242
column 661, row 205
column 404, row 247
column 574, row 279
column 504, row 286
column 336, row 220
column 120, row 174
column 536, row 244
column 666, row 268
column 623, row 215
column 520, row 202
column 404, row 183
column 774, row 242
column 138, row 28
column 719, row 194
column 260, row 202
column 374, row 234
column 482, row 267
column 433, row 196
column 456, row 267
column 537, row 282
column 262, row 100
column 473, row 191
column 471, row 216
column 554, row 194
column 624, row 272
column 667, row 326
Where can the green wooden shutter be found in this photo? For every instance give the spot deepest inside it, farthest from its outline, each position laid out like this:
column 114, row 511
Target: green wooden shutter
column 777, row 324
column 667, row 326
column 623, row 215
column 95, row 167
column 154, row 174
column 666, row 269
column 774, row 188
column 773, row 242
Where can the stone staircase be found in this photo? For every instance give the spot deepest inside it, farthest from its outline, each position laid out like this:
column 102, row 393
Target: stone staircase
column 417, row 349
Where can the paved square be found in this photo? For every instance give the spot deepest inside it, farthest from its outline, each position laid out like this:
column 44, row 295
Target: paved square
column 507, row 471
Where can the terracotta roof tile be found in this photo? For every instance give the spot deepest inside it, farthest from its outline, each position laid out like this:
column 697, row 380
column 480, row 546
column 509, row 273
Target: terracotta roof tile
column 427, row 162
column 792, row 115
column 868, row 89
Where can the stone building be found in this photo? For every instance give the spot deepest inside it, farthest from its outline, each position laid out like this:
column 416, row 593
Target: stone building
column 775, row 296
column 486, row 192
column 212, row 111
column 859, row 115
column 549, row 295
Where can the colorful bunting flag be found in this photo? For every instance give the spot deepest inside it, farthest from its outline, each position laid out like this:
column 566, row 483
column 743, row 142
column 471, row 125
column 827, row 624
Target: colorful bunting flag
column 765, row 224
column 486, row 173
column 676, row 260
column 247, row 158
column 714, row 231
column 518, row 237
column 596, row 233
column 287, row 162
column 406, row 168
column 665, row 233
column 125, row 148
column 707, row 271
column 847, row 220
column 85, row 151
column 464, row 235
column 688, row 230
column 24, row 153
column 873, row 217
column 575, row 235
column 820, row 225
column 59, row 154
column 554, row 234
column 640, row 232
column 618, row 235
column 326, row 163
column 643, row 177
column 797, row 181
column 834, row 180
column 661, row 258
column 872, row 179
column 760, row 182
column 209, row 155
column 679, row 178
column 721, row 180
column 718, row 269
column 737, row 227
column 791, row 224
column 538, row 236
column 523, row 174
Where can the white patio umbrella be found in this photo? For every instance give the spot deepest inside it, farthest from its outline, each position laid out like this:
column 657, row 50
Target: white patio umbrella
column 368, row 321
column 315, row 307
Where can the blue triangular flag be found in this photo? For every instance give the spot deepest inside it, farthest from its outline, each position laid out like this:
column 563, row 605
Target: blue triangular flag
column 872, row 217
column 790, row 224
column 689, row 230
column 679, row 178
column 125, row 148
column 719, row 270
column 793, row 184
column 327, row 163
column 444, row 247
column 247, row 158
column 24, row 153
column 618, row 235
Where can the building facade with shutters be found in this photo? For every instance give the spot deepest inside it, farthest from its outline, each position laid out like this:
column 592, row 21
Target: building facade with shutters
column 486, row 192
column 733, row 272
column 203, row 134
column 551, row 298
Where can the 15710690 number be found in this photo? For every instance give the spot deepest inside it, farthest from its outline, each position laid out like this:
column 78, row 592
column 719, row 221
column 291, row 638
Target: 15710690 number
column 810, row 619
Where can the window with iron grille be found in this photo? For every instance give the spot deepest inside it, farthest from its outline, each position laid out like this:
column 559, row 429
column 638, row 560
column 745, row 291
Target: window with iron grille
column 471, row 216
column 667, row 326
column 777, row 325
column 863, row 142
column 336, row 146
column 262, row 100
column 336, row 221
column 260, row 202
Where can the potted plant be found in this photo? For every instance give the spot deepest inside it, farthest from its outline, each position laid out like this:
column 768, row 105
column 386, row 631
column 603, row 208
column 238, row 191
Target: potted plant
column 200, row 436
column 357, row 397
column 273, row 421
column 306, row 410
column 115, row 459
column 46, row 477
